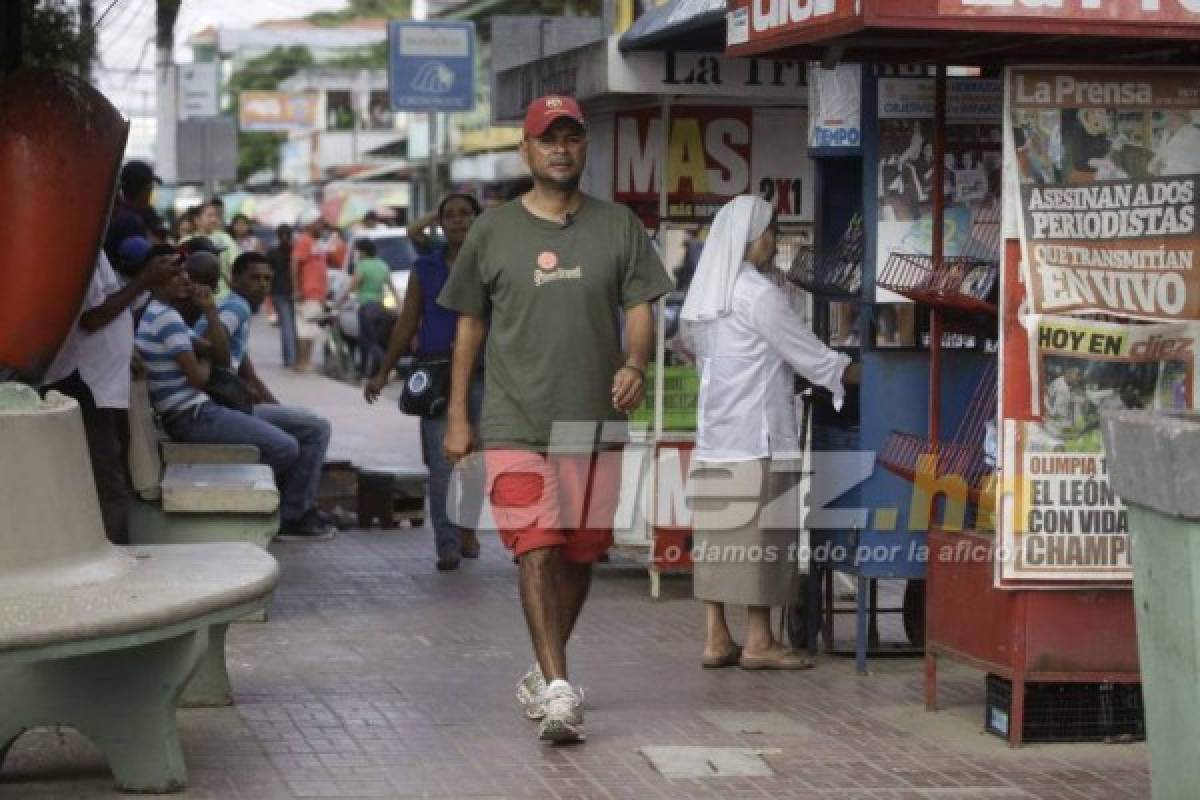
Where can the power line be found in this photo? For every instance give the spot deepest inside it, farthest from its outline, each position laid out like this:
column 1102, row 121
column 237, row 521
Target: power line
column 141, row 57
column 120, row 21
column 128, row 70
column 100, row 19
column 113, row 38
column 134, row 16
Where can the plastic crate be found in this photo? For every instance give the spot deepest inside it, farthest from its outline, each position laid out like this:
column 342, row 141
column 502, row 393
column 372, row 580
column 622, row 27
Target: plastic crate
column 338, row 487
column 681, row 385
column 1069, row 712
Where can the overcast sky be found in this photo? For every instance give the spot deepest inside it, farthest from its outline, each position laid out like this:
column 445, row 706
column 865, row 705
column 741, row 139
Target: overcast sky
column 125, row 72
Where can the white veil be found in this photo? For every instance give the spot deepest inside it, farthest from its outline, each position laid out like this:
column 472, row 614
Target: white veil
column 742, row 220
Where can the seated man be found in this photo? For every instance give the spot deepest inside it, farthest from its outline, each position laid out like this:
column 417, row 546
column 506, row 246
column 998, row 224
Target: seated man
column 251, row 283
column 176, row 378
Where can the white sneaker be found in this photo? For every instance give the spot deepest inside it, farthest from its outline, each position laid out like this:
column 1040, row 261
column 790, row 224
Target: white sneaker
column 530, row 691
column 563, row 709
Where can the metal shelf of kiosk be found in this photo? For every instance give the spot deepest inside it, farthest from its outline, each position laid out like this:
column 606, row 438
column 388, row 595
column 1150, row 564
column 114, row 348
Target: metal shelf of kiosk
column 835, row 273
column 961, row 283
column 965, row 455
column 902, row 455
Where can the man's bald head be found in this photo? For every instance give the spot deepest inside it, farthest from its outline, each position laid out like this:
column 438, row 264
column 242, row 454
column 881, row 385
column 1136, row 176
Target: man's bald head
column 204, row 269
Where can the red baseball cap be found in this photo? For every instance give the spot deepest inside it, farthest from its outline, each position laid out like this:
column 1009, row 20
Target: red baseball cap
column 542, row 113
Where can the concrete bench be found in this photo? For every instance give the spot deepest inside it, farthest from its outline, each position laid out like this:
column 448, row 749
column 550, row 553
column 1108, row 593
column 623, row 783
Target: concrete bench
column 107, row 640
column 199, row 453
column 188, row 493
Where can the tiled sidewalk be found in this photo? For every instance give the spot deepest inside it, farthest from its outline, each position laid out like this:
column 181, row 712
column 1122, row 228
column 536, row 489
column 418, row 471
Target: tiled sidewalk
column 378, row 677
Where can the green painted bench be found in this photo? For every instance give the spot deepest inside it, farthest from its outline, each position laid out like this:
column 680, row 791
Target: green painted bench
column 107, row 640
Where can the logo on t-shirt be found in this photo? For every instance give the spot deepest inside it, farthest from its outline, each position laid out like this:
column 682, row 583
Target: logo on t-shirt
column 547, row 261
column 541, row 276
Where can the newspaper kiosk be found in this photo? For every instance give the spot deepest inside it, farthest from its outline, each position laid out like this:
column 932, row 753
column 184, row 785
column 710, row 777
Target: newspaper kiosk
column 1042, row 249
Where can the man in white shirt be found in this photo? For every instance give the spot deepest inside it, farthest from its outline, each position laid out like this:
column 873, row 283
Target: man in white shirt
column 92, row 366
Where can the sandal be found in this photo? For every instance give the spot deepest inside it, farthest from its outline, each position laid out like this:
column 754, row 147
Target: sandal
column 729, row 658
column 783, row 659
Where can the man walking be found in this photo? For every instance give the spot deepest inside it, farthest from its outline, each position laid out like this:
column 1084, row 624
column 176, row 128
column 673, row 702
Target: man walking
column 547, row 278
column 283, row 294
column 315, row 250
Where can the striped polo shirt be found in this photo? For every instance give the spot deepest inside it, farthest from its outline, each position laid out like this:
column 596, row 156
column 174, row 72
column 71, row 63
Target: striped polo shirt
column 161, row 336
column 235, row 316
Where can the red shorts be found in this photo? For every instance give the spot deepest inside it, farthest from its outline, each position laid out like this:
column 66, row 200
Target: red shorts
column 565, row 501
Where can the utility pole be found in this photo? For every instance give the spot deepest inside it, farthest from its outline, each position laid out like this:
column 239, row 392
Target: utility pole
column 87, row 39
column 165, row 157
column 429, row 187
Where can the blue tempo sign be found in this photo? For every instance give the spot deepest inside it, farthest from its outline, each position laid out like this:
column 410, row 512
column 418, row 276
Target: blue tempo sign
column 431, row 66
column 835, row 137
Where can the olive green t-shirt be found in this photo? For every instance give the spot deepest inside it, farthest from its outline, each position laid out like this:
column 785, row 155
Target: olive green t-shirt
column 552, row 295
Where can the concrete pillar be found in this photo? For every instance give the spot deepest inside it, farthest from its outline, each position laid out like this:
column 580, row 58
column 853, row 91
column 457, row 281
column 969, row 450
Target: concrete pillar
column 1154, row 466
column 167, row 116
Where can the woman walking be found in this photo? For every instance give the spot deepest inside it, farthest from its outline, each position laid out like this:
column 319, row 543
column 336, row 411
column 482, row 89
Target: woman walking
column 434, row 328
column 749, row 345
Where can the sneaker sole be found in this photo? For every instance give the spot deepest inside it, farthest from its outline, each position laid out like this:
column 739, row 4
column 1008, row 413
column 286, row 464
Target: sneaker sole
column 560, row 732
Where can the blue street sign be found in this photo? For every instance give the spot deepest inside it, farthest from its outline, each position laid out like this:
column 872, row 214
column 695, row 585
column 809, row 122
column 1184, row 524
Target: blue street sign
column 431, row 66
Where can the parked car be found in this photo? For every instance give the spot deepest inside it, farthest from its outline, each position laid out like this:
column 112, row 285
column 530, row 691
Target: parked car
column 393, row 246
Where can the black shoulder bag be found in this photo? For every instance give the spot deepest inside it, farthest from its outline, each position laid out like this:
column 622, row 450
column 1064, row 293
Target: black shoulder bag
column 427, row 389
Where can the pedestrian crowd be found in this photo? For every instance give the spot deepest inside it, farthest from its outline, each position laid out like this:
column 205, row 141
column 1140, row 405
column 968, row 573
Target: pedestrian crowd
column 530, row 329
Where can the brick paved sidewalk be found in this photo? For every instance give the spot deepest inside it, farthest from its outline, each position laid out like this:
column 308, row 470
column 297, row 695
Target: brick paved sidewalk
column 378, row 677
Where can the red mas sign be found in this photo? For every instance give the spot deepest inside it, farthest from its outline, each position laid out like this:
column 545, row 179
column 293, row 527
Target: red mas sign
column 1161, row 11
column 713, row 155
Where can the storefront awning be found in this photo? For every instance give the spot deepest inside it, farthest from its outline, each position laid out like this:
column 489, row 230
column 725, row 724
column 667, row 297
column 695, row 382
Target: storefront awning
column 700, row 21
column 967, row 31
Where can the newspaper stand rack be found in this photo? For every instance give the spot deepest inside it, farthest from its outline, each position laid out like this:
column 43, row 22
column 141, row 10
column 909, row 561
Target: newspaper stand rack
column 963, row 283
column 964, row 457
column 836, row 273
column 957, row 283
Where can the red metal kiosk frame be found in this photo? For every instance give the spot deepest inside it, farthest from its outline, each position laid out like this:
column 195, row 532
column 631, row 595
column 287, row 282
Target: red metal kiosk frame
column 1021, row 634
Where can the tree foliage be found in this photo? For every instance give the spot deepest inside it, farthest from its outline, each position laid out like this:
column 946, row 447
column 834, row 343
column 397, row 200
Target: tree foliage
column 52, row 37
column 270, row 69
column 374, row 56
column 357, row 9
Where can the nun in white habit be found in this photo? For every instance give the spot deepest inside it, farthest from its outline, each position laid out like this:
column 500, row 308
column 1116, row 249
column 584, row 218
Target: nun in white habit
column 749, row 344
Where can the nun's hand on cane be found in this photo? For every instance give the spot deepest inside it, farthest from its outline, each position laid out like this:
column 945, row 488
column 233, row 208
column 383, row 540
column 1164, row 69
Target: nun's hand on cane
column 629, row 387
